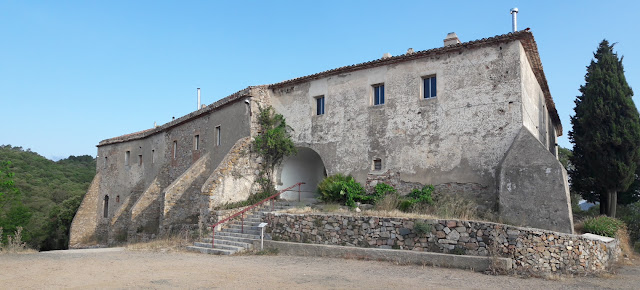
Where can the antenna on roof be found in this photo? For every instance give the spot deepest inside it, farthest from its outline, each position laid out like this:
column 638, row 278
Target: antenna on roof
column 514, row 19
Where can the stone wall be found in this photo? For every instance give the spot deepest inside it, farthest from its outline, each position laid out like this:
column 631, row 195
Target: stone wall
column 531, row 250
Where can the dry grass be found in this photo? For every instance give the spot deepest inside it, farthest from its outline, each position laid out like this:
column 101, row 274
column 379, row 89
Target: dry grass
column 628, row 253
column 168, row 244
column 14, row 244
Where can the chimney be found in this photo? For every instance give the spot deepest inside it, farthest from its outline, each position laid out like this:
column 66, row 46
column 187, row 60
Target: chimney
column 452, row 39
column 410, row 51
column 514, row 19
column 386, row 55
column 198, row 108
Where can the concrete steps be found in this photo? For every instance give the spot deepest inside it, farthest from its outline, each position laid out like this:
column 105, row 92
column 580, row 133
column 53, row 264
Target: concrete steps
column 234, row 236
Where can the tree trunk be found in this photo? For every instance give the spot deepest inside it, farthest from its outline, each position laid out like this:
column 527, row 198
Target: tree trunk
column 612, row 202
column 604, row 205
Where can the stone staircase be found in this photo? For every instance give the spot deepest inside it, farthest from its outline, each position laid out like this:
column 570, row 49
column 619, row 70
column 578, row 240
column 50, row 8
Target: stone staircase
column 231, row 239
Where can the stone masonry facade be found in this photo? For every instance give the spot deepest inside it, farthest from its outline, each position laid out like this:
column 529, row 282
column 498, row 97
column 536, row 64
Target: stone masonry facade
column 485, row 132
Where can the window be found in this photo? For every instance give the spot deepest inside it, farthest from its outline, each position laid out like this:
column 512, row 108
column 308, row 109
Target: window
column 117, row 198
column 175, row 149
column 196, row 142
column 217, row 135
column 320, row 105
column 377, row 164
column 378, row 95
column 127, row 155
column 140, row 160
column 105, row 162
column 429, row 87
column 153, row 156
column 106, row 206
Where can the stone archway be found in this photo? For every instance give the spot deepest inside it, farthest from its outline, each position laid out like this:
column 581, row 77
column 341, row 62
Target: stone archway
column 307, row 167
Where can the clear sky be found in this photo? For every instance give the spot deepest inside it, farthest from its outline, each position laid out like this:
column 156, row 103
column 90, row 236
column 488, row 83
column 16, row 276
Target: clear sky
column 73, row 73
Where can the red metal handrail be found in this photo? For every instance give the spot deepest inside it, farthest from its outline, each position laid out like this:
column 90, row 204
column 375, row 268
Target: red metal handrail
column 213, row 227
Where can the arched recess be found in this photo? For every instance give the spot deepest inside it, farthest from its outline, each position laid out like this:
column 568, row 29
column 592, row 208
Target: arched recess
column 307, row 167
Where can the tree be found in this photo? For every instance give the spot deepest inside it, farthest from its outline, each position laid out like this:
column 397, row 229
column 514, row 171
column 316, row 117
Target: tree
column 13, row 213
column 606, row 132
column 273, row 144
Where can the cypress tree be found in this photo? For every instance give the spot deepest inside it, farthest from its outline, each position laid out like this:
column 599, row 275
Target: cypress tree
column 606, row 132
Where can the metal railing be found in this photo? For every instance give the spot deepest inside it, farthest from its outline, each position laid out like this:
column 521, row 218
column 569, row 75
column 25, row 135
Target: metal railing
column 241, row 213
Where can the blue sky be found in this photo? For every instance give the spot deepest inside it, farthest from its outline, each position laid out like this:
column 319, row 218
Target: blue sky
column 73, row 73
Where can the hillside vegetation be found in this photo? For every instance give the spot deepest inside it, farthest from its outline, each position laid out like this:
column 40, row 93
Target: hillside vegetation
column 41, row 195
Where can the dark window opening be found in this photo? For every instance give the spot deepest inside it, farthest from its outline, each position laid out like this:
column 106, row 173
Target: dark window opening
column 196, row 142
column 127, row 155
column 320, row 105
column 217, row 135
column 106, row 206
column 153, row 156
column 117, row 198
column 377, row 164
column 140, row 160
column 378, row 95
column 175, row 149
column 105, row 162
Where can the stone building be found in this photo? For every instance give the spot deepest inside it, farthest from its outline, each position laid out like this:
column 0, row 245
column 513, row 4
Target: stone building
column 474, row 119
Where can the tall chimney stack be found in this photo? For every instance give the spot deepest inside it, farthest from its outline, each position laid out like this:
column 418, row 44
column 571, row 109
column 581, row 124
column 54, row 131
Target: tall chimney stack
column 514, row 19
column 198, row 100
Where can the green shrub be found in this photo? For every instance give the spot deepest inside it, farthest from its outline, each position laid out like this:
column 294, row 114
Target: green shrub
column 603, row 225
column 329, row 188
column 417, row 197
column 341, row 189
column 630, row 214
column 381, row 190
column 421, row 228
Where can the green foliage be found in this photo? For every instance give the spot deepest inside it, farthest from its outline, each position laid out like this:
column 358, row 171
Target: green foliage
column 381, row 190
column 417, row 197
column 273, row 143
column 564, row 156
column 421, row 228
column 603, row 225
column 45, row 196
column 605, row 134
column 343, row 189
column 630, row 214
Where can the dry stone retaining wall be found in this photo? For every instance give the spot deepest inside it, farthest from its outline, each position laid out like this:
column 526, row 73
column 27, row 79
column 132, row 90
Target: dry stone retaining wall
column 531, row 250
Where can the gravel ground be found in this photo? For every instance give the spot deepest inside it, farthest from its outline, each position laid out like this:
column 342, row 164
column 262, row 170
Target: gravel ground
column 121, row 268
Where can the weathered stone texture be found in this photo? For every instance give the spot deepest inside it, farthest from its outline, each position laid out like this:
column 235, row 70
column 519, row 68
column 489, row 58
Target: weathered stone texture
column 531, row 250
column 533, row 188
column 83, row 227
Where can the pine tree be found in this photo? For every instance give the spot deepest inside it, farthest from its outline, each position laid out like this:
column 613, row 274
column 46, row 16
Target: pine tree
column 606, row 132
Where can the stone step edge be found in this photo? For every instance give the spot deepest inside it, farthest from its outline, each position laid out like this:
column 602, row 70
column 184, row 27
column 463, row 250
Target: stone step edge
column 475, row 263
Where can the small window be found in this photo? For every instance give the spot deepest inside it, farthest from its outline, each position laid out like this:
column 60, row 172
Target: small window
column 105, row 162
column 217, row 135
column 429, row 87
column 106, row 206
column 196, row 142
column 140, row 160
column 127, row 156
column 378, row 95
column 153, row 156
column 117, row 198
column 377, row 164
column 175, row 149
column 320, row 105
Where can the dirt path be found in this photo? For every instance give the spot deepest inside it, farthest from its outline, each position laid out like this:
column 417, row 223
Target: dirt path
column 120, row 268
